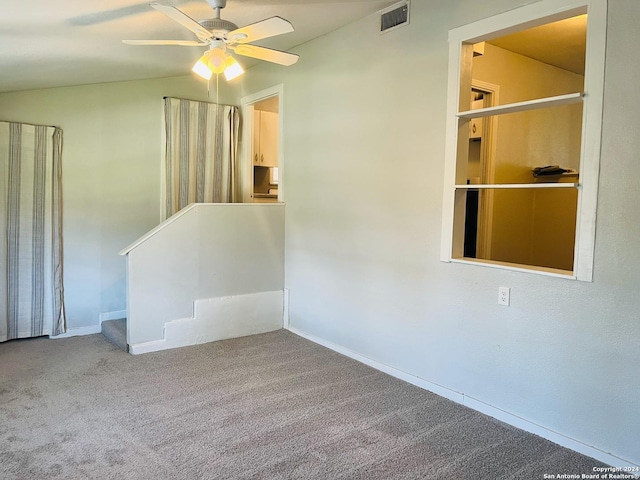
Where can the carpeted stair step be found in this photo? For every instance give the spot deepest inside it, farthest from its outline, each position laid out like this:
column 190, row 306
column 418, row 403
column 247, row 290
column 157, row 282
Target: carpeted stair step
column 116, row 332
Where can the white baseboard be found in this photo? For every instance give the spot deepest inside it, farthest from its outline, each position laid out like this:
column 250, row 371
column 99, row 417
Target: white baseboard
column 220, row 319
column 116, row 315
column 92, row 329
column 75, row 332
column 478, row 405
column 394, row 372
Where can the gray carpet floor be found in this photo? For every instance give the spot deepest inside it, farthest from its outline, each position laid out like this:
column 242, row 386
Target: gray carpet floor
column 271, row 406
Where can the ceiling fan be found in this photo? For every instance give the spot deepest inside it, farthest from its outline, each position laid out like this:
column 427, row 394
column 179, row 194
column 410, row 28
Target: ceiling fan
column 222, row 36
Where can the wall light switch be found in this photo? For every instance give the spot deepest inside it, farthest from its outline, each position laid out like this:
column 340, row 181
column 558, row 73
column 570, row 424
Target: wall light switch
column 503, row 295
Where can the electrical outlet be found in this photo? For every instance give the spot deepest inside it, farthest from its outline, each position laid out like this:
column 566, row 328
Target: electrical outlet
column 503, row 295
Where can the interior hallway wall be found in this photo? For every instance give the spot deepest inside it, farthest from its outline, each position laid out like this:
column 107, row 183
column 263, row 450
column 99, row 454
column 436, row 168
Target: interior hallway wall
column 111, row 176
column 364, row 128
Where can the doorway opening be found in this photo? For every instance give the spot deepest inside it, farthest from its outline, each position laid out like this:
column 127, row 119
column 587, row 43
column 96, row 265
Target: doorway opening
column 480, row 170
column 262, row 144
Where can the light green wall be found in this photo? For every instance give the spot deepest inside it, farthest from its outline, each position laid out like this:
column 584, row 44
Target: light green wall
column 364, row 122
column 111, row 177
column 217, row 252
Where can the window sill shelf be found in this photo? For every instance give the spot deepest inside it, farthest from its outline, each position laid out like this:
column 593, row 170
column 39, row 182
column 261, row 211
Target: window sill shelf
column 567, row 99
column 515, row 185
column 551, row 272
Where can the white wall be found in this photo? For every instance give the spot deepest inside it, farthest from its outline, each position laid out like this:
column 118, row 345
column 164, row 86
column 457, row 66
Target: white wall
column 364, row 125
column 111, row 177
column 211, row 251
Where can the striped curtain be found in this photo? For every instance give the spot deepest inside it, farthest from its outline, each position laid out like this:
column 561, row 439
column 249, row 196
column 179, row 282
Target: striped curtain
column 200, row 154
column 31, row 291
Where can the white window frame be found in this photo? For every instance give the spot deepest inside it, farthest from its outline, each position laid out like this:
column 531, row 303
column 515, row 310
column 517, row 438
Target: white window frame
column 545, row 11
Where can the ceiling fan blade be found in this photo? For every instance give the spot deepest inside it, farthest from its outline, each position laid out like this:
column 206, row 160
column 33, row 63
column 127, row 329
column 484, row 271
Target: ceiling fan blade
column 109, row 15
column 256, row 31
column 182, row 43
column 267, row 54
column 184, row 20
column 116, row 13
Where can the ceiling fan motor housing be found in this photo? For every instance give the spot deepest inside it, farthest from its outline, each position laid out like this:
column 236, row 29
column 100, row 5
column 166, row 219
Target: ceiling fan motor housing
column 215, row 25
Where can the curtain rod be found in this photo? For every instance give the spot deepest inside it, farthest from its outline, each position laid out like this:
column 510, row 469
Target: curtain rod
column 30, row 124
column 192, row 100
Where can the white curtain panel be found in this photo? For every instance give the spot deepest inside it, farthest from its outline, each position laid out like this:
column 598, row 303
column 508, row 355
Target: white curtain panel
column 31, row 291
column 200, row 154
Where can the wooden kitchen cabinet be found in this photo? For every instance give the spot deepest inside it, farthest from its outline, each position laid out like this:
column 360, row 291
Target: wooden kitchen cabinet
column 265, row 139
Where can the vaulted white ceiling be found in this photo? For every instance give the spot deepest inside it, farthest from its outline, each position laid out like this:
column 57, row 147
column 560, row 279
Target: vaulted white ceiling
column 45, row 43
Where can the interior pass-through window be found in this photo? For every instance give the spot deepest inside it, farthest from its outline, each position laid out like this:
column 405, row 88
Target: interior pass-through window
column 523, row 133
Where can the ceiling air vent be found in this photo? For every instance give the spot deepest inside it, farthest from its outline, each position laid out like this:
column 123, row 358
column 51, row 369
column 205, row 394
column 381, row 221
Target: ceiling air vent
column 394, row 17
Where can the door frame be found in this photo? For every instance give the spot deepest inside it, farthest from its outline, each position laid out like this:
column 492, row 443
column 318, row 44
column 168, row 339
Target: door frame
column 487, row 172
column 246, row 164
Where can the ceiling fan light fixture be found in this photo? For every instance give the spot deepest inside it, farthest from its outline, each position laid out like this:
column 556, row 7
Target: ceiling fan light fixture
column 201, row 68
column 233, row 68
column 221, row 36
column 216, row 61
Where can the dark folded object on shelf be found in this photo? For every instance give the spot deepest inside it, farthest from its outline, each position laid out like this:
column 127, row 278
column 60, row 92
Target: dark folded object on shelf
column 549, row 170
